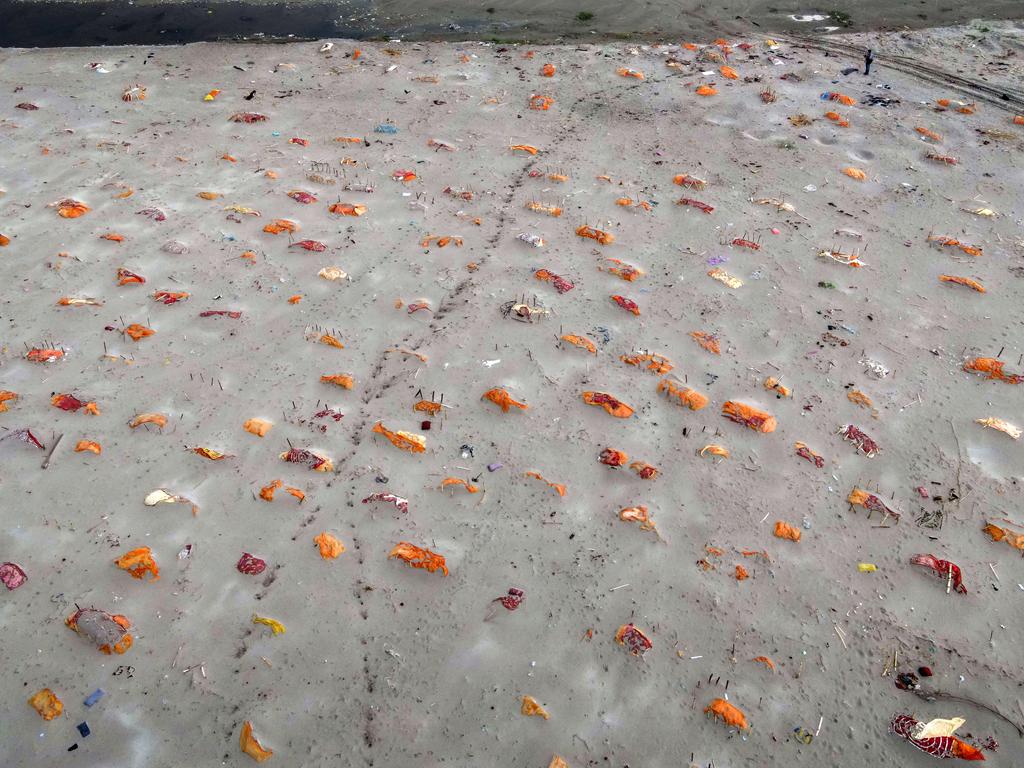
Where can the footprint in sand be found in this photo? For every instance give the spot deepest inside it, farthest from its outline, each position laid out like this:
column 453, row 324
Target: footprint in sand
column 864, row 155
column 720, row 120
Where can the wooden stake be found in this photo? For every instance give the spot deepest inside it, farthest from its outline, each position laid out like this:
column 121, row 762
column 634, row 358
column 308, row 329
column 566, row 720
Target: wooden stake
column 52, row 449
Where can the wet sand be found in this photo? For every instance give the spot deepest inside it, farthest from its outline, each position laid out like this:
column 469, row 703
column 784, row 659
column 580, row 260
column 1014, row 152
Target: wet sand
column 385, row 665
column 157, row 22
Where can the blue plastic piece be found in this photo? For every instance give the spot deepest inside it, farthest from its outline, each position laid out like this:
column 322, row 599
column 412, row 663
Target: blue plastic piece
column 95, row 696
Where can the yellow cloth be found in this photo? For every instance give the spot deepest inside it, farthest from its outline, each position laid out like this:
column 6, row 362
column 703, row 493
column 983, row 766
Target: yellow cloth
column 939, row 727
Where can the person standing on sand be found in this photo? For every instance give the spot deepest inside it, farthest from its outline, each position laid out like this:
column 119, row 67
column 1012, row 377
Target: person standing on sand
column 868, row 60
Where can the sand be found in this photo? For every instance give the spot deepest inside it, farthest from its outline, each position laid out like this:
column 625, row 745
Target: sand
column 386, row 665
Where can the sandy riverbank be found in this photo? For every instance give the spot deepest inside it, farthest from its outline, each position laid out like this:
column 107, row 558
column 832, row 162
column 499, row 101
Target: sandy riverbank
column 385, row 665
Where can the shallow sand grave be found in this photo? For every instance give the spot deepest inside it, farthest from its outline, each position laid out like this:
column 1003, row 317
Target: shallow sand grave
column 387, row 665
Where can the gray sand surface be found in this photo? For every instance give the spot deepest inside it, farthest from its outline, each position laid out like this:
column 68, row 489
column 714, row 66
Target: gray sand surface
column 386, row 665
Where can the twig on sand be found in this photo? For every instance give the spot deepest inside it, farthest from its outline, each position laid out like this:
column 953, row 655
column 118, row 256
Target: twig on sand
column 841, row 638
column 891, row 664
column 103, row 519
column 959, row 461
column 53, row 448
column 933, row 695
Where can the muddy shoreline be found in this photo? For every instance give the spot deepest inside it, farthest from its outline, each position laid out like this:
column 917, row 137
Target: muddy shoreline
column 72, row 24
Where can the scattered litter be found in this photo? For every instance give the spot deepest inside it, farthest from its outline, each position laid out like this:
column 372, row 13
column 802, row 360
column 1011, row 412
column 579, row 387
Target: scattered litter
column 197, row 340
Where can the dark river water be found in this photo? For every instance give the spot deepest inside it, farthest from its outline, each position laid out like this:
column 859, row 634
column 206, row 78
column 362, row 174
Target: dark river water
column 50, row 24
